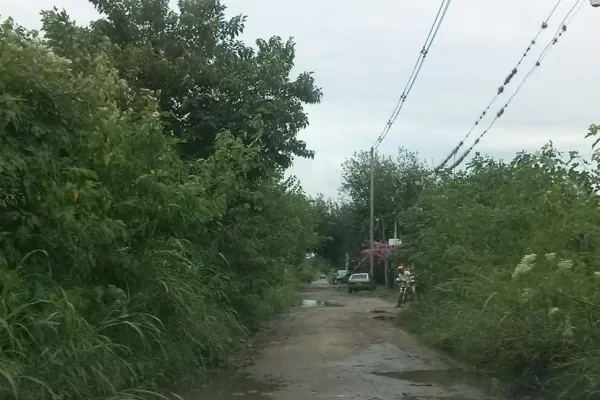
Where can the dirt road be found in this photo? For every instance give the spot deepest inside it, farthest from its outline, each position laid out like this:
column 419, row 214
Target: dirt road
column 341, row 346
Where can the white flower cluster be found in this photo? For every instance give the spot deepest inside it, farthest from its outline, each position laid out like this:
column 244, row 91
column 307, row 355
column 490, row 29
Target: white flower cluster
column 526, row 265
column 561, row 264
column 565, row 264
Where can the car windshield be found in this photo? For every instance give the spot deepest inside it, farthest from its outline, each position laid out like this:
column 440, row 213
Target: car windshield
column 359, row 276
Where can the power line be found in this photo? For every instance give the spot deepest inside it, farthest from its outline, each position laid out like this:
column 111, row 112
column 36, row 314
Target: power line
column 561, row 29
column 501, row 89
column 435, row 27
column 416, row 69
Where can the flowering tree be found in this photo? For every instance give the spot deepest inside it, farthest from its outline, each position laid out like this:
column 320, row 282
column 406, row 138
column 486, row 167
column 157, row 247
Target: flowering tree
column 380, row 252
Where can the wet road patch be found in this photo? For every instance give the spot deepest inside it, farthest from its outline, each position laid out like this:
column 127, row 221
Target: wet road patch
column 453, row 382
column 434, row 377
column 320, row 303
column 384, row 317
column 410, row 397
column 229, row 385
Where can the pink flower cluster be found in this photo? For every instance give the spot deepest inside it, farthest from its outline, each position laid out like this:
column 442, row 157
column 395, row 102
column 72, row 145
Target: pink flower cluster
column 380, row 252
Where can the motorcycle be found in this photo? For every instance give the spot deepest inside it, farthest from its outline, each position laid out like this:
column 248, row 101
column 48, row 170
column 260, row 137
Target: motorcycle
column 406, row 285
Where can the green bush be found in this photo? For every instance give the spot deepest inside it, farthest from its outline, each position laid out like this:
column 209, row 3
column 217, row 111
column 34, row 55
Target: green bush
column 310, row 269
column 509, row 253
column 122, row 265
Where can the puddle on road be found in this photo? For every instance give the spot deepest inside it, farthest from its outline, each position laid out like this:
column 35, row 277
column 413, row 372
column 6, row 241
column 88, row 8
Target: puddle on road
column 434, row 377
column 320, row 303
column 447, row 379
column 230, row 385
column 409, row 397
column 378, row 311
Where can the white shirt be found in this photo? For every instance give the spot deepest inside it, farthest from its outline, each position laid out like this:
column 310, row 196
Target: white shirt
column 406, row 277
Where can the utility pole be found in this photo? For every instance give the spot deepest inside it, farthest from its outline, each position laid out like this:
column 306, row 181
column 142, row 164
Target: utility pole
column 371, row 261
column 385, row 261
column 393, row 283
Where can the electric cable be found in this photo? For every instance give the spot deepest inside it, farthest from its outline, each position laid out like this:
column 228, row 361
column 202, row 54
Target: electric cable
column 441, row 14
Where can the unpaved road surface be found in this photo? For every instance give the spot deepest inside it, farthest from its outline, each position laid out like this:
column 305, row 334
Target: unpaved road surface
column 348, row 351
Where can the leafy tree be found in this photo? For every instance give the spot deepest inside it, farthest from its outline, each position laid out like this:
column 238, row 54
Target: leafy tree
column 332, row 244
column 206, row 79
column 122, row 265
column 398, row 183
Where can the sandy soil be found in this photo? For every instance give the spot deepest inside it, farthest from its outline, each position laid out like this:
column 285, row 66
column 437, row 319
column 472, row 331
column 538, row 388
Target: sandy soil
column 349, row 351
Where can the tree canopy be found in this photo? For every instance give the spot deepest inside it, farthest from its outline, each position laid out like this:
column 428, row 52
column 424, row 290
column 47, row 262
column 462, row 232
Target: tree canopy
column 205, row 78
column 128, row 256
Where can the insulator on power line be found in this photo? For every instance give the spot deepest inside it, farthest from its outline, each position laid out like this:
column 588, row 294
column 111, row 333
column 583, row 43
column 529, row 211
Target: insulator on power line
column 562, row 29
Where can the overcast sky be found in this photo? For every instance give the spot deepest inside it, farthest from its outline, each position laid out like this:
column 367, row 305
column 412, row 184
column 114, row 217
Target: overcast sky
column 362, row 52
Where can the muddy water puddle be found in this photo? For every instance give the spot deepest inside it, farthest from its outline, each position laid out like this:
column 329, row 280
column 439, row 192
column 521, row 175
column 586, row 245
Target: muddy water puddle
column 320, row 303
column 441, row 384
column 434, row 377
column 411, row 373
column 229, row 385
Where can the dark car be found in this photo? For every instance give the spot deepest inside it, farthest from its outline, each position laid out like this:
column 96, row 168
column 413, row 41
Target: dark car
column 360, row 281
column 344, row 279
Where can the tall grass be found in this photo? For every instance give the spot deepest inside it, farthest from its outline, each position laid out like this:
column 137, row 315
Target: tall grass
column 509, row 252
column 122, row 266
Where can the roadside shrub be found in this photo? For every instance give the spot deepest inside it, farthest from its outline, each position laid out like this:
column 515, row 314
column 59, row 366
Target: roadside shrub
column 509, row 252
column 309, row 270
column 123, row 266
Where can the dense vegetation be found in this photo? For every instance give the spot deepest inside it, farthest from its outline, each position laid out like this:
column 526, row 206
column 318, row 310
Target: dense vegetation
column 511, row 253
column 508, row 254
column 145, row 224
column 144, row 221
